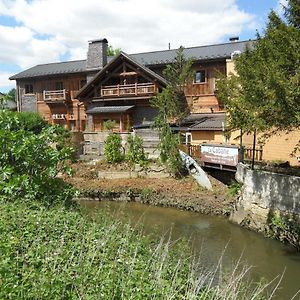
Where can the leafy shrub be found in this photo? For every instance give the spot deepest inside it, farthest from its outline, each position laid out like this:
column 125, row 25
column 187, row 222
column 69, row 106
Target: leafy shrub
column 28, row 121
column 30, row 162
column 234, row 188
column 146, row 193
column 109, row 125
column 285, row 228
column 135, row 151
column 113, row 148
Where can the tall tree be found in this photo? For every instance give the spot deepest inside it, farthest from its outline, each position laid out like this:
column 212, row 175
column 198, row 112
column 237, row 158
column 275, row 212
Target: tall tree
column 292, row 13
column 111, row 51
column 265, row 93
column 172, row 107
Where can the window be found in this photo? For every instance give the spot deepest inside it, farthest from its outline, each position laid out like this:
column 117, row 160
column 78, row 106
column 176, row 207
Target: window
column 82, row 83
column 59, row 86
column 200, row 76
column 28, row 89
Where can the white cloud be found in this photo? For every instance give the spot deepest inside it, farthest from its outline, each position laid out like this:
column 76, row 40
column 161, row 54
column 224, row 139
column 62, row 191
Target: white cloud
column 132, row 25
column 5, row 83
column 19, row 46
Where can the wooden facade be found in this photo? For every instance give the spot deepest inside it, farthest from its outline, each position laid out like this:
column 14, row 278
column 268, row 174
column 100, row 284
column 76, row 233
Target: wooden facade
column 55, row 96
column 55, row 99
column 121, row 83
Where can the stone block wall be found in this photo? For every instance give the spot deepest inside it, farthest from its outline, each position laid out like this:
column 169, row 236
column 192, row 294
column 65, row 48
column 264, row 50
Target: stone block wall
column 263, row 193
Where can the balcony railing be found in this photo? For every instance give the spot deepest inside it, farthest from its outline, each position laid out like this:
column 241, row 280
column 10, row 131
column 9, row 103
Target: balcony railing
column 136, row 89
column 52, row 96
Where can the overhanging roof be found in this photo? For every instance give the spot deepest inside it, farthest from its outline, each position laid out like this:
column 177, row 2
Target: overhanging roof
column 109, row 109
column 101, row 74
column 217, row 51
column 212, row 121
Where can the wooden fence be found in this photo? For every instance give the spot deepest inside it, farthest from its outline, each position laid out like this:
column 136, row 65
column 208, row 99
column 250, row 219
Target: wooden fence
column 258, row 154
column 195, row 152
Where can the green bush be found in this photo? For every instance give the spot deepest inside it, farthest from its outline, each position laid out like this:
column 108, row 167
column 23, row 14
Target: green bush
column 28, row 121
column 30, row 162
column 135, row 151
column 109, row 125
column 113, row 149
column 285, row 228
column 234, row 188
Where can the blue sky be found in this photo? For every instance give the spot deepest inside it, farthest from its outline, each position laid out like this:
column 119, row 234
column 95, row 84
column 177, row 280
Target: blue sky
column 34, row 32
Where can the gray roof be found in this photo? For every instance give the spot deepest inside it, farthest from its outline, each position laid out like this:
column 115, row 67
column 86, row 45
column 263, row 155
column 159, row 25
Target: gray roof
column 60, row 68
column 212, row 121
column 109, row 109
column 196, row 53
column 218, row 51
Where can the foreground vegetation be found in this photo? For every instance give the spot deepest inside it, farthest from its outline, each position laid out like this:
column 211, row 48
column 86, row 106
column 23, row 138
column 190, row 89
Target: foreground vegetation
column 32, row 155
column 56, row 253
column 49, row 250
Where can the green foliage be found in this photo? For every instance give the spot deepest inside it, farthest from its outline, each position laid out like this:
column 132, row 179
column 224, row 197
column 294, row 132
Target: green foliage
column 27, row 121
column 285, row 228
column 113, row 149
column 292, row 13
column 112, row 52
column 146, row 193
column 109, row 125
column 4, row 98
column 172, row 107
column 56, row 253
column 169, row 149
column 30, row 161
column 12, row 94
column 265, row 94
column 234, row 188
column 135, row 151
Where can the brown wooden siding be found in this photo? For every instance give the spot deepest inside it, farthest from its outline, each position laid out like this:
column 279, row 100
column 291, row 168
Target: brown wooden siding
column 68, row 107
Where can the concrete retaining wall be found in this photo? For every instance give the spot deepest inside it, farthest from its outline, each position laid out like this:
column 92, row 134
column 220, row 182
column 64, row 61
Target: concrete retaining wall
column 264, row 193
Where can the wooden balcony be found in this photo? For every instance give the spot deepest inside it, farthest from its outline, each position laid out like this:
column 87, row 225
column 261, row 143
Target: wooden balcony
column 199, row 89
column 137, row 89
column 58, row 96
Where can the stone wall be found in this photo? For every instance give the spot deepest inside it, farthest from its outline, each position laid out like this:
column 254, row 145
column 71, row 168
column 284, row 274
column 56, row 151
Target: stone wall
column 94, row 142
column 28, row 103
column 265, row 193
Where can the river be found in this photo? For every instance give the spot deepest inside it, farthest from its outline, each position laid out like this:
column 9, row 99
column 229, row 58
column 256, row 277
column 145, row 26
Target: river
column 209, row 235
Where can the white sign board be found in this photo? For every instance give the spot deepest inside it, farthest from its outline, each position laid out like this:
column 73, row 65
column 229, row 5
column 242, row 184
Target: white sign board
column 221, row 155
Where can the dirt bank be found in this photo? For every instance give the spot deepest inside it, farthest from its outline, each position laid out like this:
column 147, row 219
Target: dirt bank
column 183, row 193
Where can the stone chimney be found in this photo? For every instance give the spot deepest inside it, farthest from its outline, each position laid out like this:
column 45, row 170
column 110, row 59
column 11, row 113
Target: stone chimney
column 234, row 39
column 97, row 55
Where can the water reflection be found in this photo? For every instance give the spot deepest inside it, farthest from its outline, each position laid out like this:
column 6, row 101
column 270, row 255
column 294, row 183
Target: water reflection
column 209, row 236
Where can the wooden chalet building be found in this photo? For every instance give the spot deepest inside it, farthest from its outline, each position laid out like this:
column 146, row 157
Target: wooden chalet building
column 82, row 95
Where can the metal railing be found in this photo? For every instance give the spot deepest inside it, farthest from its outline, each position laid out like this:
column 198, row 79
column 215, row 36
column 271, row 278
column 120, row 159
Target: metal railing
column 128, row 89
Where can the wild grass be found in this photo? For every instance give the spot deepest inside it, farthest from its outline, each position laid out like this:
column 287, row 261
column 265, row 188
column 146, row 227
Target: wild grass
column 55, row 253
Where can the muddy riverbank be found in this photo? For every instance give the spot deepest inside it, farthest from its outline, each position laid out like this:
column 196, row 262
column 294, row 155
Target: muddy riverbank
column 184, row 194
